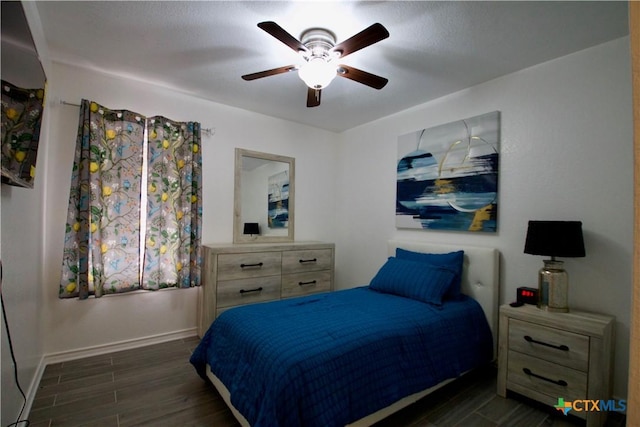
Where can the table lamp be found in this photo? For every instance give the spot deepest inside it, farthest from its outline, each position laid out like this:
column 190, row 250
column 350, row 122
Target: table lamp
column 554, row 239
column 251, row 228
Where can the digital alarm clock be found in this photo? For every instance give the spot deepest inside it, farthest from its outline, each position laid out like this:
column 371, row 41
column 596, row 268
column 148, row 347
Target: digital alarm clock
column 527, row 295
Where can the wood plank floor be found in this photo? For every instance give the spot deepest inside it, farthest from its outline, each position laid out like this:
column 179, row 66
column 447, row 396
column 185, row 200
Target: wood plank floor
column 156, row 386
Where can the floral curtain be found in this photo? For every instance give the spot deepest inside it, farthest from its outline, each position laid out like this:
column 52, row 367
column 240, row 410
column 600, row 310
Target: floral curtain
column 174, row 205
column 21, row 118
column 102, row 252
column 102, row 240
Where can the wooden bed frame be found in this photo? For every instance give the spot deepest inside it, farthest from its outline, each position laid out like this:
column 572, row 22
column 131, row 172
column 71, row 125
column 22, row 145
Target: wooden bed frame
column 480, row 280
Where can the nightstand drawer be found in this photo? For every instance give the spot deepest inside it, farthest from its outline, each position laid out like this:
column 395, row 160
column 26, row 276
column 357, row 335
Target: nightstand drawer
column 545, row 377
column 294, row 285
column 554, row 345
column 247, row 291
column 245, row 265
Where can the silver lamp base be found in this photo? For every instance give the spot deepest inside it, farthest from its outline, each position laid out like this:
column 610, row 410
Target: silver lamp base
column 553, row 287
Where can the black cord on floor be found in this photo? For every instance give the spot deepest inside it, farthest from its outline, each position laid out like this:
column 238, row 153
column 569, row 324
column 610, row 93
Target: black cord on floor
column 15, row 366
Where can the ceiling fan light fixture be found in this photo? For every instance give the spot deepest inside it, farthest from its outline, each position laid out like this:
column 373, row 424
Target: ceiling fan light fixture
column 317, row 73
column 319, row 56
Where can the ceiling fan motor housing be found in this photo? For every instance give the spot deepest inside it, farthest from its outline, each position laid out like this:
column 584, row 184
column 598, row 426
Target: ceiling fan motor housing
column 319, row 42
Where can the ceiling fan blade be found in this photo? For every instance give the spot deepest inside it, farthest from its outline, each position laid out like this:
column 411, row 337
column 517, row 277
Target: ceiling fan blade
column 313, row 97
column 278, row 32
column 268, row 73
column 364, row 38
column 363, row 77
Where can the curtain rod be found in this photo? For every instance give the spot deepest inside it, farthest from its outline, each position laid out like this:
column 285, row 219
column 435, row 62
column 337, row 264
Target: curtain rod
column 206, row 131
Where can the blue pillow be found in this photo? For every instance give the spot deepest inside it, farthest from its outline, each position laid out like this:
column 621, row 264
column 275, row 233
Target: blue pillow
column 413, row 279
column 452, row 260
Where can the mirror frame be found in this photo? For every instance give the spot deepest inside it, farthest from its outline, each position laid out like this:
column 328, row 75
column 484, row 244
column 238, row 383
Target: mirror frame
column 238, row 226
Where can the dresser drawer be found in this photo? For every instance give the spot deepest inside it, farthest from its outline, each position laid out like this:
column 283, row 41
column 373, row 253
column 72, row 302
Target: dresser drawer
column 551, row 344
column 306, row 260
column 247, row 291
column 246, row 265
column 545, row 377
column 294, row 285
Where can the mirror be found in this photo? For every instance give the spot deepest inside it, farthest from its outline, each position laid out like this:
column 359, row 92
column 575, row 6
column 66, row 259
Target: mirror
column 264, row 195
column 23, row 89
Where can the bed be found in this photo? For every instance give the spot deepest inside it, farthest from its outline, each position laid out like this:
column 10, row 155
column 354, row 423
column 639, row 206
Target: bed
column 353, row 357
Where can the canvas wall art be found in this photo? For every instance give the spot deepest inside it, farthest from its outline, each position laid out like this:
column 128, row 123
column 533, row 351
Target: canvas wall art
column 447, row 176
column 278, row 203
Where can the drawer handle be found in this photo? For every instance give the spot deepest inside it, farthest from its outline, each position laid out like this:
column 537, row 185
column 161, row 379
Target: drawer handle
column 557, row 347
column 246, row 291
column 312, row 282
column 302, row 261
column 259, row 264
column 558, row 382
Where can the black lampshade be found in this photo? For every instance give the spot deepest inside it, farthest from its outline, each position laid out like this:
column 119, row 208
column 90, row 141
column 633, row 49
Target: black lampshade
column 251, row 228
column 555, row 238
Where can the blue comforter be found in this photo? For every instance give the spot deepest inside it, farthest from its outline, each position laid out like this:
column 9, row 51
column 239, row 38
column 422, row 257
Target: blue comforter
column 330, row 359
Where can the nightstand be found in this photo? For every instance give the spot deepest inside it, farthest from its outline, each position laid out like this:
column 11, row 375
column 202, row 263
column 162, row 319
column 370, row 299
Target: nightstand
column 546, row 356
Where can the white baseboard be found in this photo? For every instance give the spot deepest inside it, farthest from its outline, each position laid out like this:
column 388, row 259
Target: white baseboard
column 97, row 350
column 30, row 394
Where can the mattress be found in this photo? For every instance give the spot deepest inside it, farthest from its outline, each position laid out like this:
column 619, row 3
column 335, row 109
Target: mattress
column 330, row 359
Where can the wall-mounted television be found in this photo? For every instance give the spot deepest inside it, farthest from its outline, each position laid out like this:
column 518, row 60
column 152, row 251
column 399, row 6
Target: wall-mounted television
column 23, row 92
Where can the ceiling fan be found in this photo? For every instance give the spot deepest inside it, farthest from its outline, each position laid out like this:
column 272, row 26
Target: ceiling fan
column 320, row 52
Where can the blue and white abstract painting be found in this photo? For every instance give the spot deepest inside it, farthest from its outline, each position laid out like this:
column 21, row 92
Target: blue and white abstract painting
column 447, row 176
column 278, row 201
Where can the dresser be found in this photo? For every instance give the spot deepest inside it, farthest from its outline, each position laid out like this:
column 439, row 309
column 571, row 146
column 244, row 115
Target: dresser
column 550, row 356
column 239, row 274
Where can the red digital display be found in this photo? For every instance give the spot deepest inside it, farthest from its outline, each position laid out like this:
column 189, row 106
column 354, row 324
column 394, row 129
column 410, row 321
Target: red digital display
column 527, row 295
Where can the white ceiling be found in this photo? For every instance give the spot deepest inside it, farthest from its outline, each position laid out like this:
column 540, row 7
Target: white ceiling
column 434, row 48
